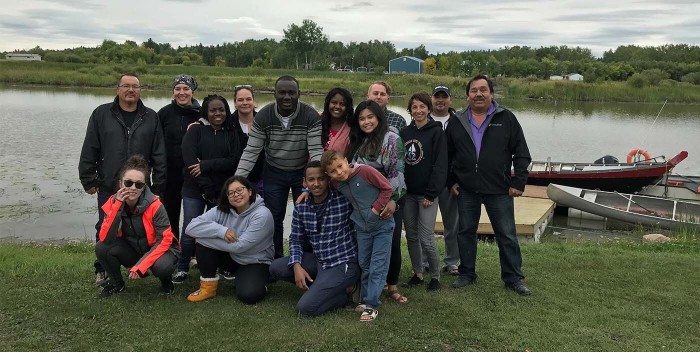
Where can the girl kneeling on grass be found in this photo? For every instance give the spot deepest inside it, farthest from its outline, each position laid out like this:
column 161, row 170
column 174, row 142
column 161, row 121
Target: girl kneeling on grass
column 136, row 232
column 234, row 236
column 368, row 192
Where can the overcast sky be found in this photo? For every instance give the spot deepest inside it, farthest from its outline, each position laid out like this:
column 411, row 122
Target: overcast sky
column 439, row 25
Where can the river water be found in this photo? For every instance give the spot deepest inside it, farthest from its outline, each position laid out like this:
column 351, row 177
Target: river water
column 43, row 129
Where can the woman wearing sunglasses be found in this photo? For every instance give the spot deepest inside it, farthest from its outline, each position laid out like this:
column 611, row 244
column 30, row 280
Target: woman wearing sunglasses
column 136, row 232
column 235, row 236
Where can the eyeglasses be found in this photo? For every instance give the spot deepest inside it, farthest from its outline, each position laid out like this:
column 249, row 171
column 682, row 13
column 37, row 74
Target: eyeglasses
column 130, row 86
column 235, row 192
column 138, row 184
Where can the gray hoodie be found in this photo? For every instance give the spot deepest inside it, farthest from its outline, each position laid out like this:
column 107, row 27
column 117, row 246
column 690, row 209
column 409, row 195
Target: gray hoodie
column 254, row 228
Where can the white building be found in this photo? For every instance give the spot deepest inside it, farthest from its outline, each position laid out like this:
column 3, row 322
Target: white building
column 555, row 78
column 574, row 77
column 23, row 57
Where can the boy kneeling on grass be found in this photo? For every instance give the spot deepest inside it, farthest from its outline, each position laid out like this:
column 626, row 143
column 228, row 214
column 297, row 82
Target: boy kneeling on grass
column 368, row 192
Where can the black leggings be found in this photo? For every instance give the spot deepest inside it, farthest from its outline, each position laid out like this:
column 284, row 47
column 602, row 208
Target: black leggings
column 119, row 252
column 392, row 277
column 251, row 279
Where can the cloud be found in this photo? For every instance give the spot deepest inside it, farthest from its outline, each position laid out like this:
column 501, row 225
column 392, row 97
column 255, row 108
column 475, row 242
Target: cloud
column 351, row 7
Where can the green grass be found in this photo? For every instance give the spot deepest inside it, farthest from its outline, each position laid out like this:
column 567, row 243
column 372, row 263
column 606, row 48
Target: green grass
column 223, row 79
column 586, row 296
column 209, row 78
column 675, row 92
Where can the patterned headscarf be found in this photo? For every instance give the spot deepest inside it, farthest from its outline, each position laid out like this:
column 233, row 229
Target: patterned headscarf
column 187, row 80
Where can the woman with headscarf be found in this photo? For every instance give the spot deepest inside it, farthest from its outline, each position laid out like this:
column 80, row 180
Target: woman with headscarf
column 174, row 118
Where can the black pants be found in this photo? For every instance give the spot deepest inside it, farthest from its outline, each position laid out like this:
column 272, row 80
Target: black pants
column 392, row 277
column 251, row 279
column 172, row 199
column 119, row 252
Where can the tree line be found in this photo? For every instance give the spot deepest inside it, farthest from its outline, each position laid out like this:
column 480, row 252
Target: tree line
column 305, row 46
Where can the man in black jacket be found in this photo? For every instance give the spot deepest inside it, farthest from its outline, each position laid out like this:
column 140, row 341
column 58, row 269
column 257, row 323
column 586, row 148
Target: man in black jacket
column 484, row 141
column 116, row 131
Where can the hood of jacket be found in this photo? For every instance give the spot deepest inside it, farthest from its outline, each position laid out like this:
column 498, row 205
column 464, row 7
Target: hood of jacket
column 256, row 204
column 430, row 125
column 192, row 107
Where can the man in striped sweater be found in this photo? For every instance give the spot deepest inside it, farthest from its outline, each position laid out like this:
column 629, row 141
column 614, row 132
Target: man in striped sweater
column 290, row 133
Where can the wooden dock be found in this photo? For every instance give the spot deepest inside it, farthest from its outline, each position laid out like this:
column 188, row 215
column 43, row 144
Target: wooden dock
column 533, row 212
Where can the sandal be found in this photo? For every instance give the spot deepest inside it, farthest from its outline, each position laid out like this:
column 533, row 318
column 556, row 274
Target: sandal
column 398, row 297
column 369, row 314
column 453, row 272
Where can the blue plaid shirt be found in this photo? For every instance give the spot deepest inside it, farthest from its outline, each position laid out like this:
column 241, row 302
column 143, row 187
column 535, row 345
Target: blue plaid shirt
column 335, row 244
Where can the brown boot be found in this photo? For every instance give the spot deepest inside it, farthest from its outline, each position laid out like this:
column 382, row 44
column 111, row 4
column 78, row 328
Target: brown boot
column 207, row 289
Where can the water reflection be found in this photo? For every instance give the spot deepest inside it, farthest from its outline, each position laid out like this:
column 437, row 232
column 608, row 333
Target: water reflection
column 44, row 127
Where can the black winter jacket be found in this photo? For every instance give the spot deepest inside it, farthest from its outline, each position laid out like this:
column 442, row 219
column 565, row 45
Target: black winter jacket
column 174, row 119
column 217, row 152
column 502, row 146
column 108, row 143
column 425, row 167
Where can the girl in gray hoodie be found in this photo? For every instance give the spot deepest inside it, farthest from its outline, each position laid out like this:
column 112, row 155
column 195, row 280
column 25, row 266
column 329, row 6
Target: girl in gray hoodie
column 235, row 236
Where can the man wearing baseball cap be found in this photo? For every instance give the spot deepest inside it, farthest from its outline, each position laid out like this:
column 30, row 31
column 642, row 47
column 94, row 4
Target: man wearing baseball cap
column 442, row 99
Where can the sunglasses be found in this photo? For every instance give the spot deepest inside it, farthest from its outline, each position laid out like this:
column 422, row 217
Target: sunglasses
column 242, row 86
column 138, row 184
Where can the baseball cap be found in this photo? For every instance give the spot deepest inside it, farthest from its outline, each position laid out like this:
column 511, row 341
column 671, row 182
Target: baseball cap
column 442, row 88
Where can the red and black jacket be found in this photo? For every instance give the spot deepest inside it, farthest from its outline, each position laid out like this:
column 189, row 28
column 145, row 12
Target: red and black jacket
column 145, row 228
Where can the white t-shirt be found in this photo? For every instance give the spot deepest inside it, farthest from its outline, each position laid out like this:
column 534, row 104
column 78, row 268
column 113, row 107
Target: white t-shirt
column 442, row 119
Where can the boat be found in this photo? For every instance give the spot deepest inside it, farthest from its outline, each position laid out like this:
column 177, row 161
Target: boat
column 627, row 177
column 675, row 186
column 645, row 210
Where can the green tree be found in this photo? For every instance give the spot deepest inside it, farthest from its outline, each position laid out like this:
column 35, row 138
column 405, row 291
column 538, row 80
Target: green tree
column 303, row 39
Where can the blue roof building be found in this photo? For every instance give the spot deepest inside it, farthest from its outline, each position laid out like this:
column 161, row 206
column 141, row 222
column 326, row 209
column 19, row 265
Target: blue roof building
column 406, row 64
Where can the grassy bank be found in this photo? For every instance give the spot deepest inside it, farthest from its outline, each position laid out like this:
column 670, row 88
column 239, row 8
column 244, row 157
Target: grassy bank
column 674, row 92
column 319, row 82
column 586, row 296
column 209, row 78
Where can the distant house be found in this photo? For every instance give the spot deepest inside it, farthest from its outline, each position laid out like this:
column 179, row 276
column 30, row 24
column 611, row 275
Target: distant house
column 23, row 57
column 406, row 64
column 556, row 78
column 574, row 77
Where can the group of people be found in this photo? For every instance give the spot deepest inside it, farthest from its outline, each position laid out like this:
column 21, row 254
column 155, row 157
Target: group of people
column 358, row 175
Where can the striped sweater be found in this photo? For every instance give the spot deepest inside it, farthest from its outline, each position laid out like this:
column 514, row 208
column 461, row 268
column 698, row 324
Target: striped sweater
column 287, row 148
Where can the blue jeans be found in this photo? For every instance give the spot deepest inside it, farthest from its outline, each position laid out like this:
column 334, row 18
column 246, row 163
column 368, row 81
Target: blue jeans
column 192, row 208
column 499, row 207
column 277, row 184
column 328, row 291
column 373, row 249
column 102, row 198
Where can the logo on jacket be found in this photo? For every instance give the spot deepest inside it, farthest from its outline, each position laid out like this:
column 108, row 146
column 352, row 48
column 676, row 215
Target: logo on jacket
column 414, row 152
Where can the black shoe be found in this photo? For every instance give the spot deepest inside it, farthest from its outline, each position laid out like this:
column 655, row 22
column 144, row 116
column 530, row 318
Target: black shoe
column 434, row 285
column 167, row 287
column 463, row 281
column 413, row 281
column 179, row 277
column 519, row 287
column 108, row 290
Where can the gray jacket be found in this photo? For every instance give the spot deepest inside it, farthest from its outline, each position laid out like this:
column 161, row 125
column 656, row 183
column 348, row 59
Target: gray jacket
column 254, row 228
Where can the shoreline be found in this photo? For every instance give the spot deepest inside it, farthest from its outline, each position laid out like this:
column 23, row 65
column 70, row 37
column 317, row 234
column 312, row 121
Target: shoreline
column 317, row 83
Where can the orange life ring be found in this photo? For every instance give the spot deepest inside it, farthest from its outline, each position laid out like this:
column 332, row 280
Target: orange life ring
column 637, row 151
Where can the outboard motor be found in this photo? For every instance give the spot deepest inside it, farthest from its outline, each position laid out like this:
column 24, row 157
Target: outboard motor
column 608, row 159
